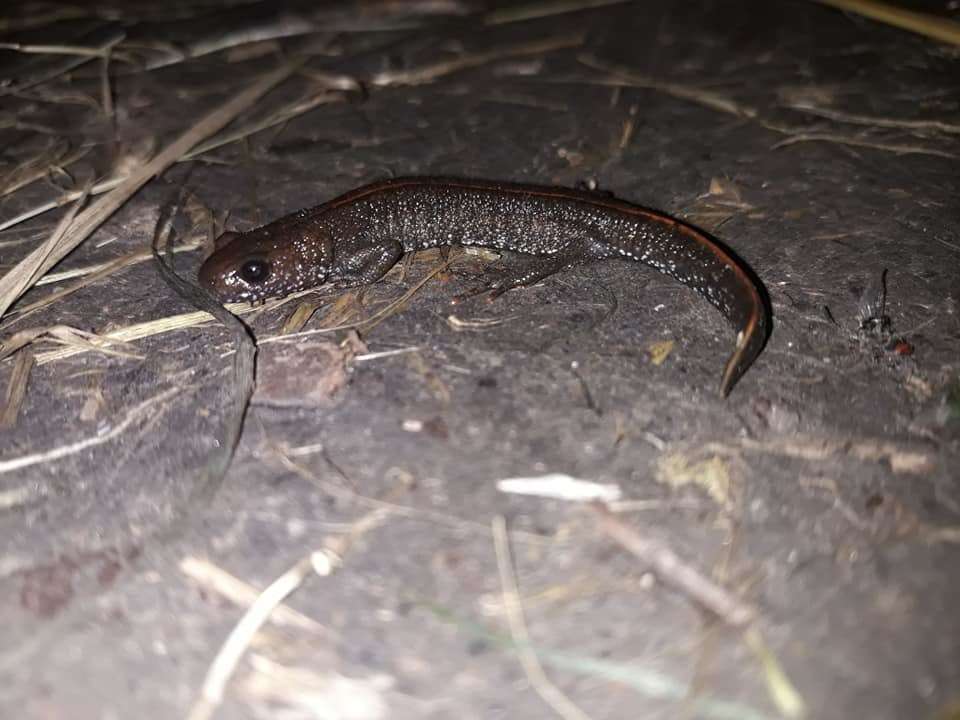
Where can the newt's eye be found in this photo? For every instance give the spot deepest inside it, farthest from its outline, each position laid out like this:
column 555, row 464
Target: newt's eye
column 255, row 271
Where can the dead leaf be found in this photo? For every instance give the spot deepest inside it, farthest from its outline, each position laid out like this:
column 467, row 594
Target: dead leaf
column 660, row 351
column 712, row 474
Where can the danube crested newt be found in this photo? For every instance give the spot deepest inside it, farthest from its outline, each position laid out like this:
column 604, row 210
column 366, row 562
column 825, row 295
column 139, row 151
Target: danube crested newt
column 356, row 238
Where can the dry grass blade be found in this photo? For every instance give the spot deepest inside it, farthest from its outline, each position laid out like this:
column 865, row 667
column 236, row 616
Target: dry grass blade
column 56, row 49
column 784, row 695
column 900, row 458
column 895, row 148
column 331, row 80
column 236, row 644
column 16, row 391
column 88, row 277
column 106, row 94
column 876, row 120
column 25, row 273
column 715, row 101
column 300, row 316
column 707, row 98
column 932, row 26
column 14, row 283
column 140, row 411
column 550, row 693
column 74, row 58
column 428, row 73
column 217, row 580
column 39, row 166
column 323, row 562
column 138, row 331
column 344, row 308
column 98, row 189
column 79, row 340
column 370, row 322
column 284, row 114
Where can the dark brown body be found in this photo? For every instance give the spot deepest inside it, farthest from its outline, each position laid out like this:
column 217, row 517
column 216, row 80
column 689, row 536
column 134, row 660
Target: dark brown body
column 355, row 238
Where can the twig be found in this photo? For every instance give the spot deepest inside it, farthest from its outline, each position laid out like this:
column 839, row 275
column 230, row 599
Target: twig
column 550, row 693
column 674, row 571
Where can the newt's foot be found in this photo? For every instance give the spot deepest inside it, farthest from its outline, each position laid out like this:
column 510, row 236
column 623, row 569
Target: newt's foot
column 522, row 274
column 490, row 291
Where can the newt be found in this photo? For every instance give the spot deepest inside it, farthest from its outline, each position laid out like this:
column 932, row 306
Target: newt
column 357, row 237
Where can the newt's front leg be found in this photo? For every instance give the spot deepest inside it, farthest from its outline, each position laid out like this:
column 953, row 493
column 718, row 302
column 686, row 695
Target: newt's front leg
column 365, row 264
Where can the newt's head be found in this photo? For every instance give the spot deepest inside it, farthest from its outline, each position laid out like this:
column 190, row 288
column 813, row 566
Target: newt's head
column 283, row 257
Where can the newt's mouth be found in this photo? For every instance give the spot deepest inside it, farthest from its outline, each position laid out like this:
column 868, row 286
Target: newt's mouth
column 230, row 287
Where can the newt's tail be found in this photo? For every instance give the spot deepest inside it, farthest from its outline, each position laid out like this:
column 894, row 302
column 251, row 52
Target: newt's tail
column 728, row 284
column 689, row 255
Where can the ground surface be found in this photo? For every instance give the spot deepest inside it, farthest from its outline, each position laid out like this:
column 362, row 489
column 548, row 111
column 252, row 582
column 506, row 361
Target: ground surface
column 824, row 491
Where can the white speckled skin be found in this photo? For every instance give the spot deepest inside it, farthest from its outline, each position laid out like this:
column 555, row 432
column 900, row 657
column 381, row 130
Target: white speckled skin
column 355, row 238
